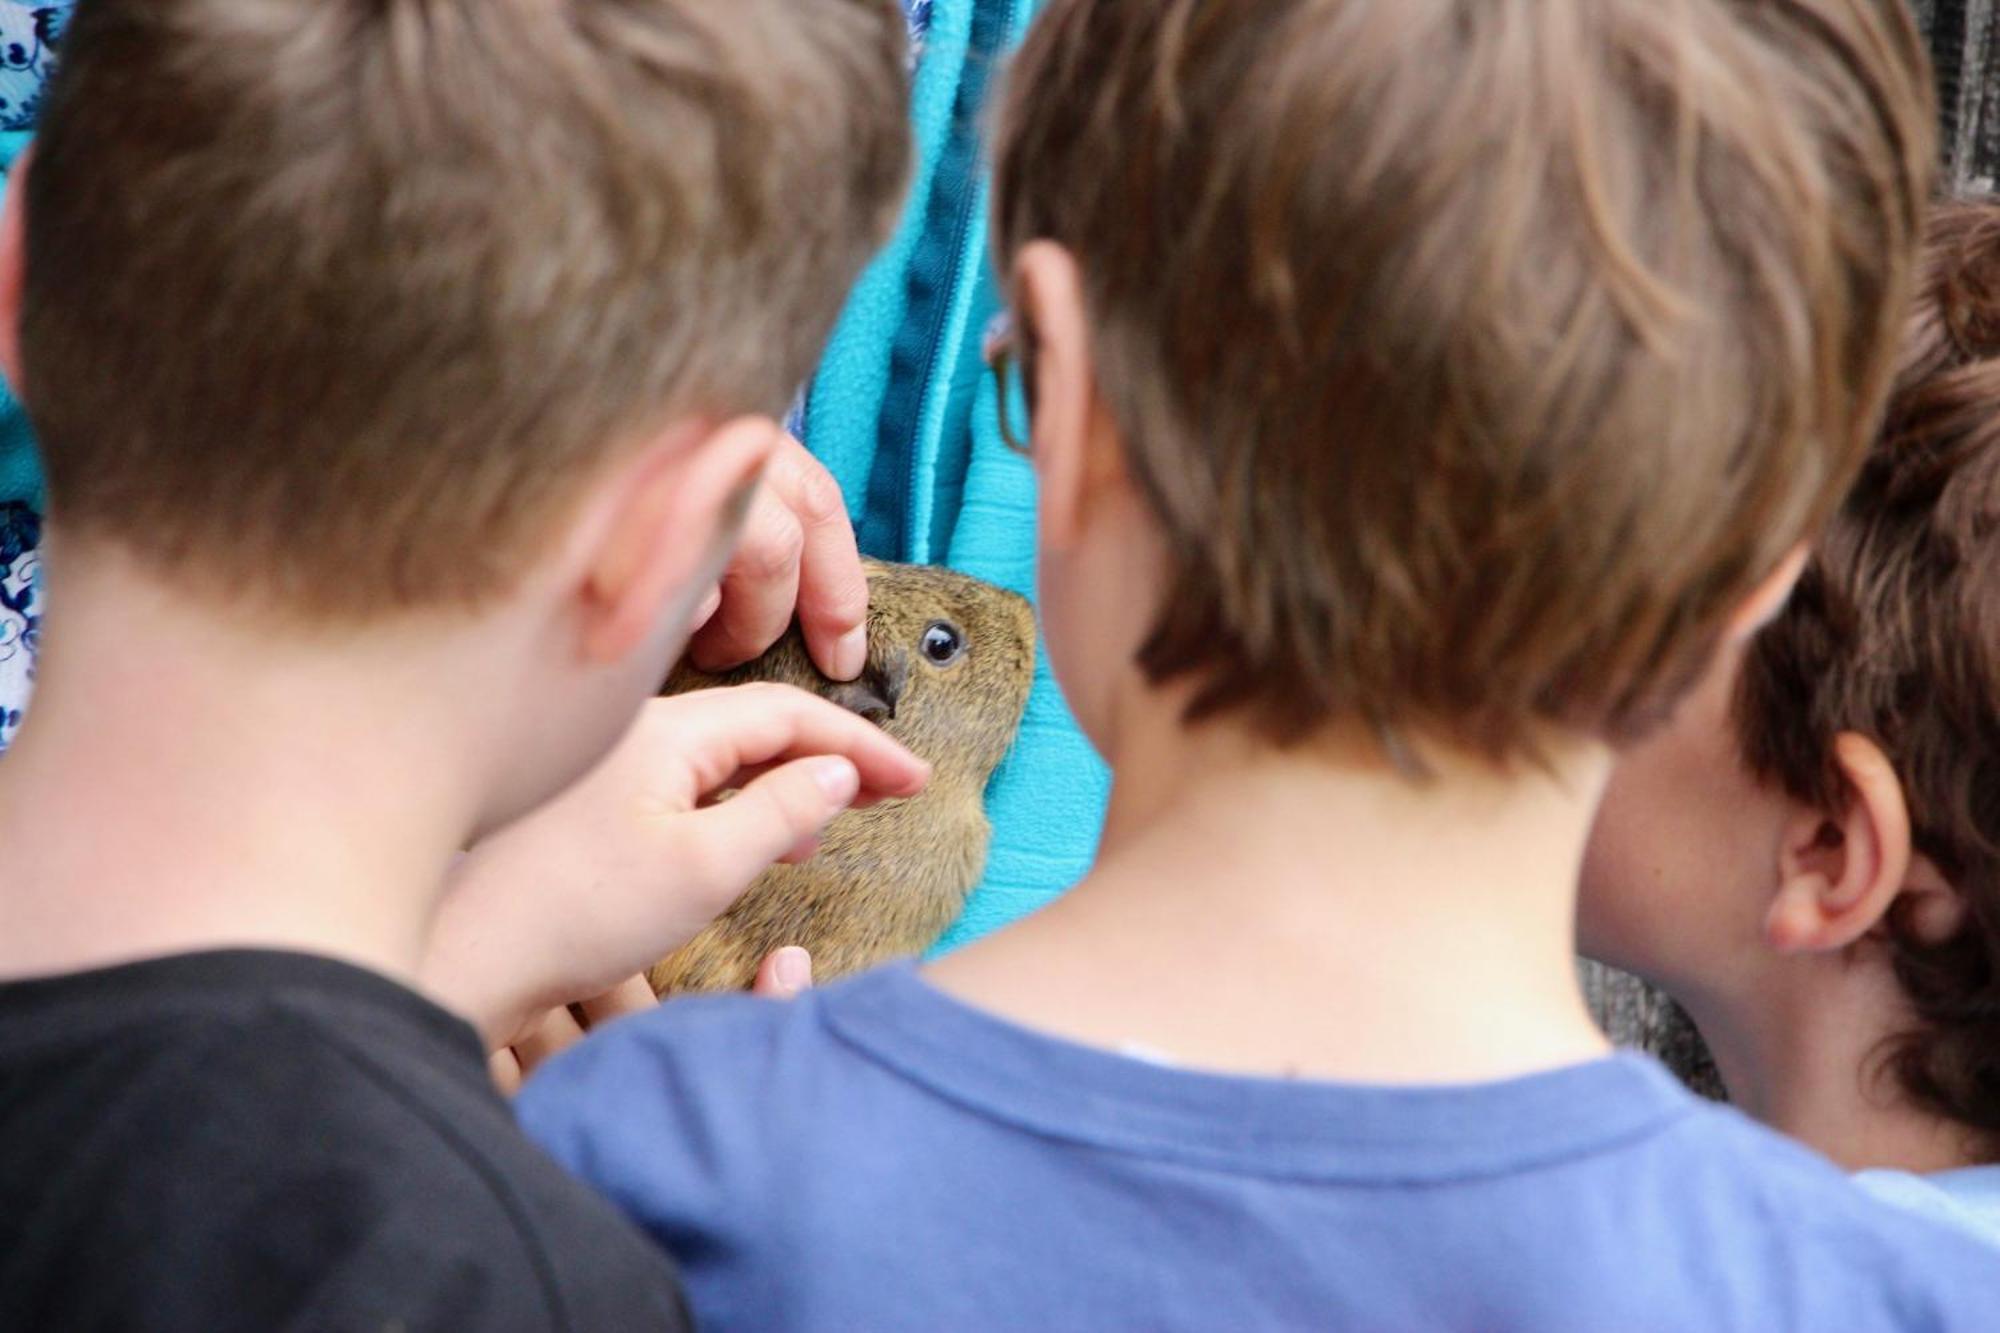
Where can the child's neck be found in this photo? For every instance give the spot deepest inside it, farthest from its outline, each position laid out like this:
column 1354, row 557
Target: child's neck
column 1808, row 1059
column 1311, row 912
column 182, row 784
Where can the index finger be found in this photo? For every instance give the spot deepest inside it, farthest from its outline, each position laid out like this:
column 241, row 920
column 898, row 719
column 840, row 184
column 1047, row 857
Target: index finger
column 833, row 586
column 759, row 593
column 722, row 733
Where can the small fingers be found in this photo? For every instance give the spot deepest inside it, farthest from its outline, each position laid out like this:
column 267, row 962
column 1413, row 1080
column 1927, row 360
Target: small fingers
column 784, row 973
column 760, row 588
column 732, row 843
column 556, row 1033
column 832, row 603
column 720, row 735
column 505, row 1069
column 634, row 996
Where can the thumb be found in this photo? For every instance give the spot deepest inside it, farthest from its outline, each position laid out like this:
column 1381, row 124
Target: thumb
column 768, row 819
column 784, row 973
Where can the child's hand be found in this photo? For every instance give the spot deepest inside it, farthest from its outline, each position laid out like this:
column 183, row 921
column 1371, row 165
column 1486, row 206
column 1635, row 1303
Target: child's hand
column 795, row 559
column 783, row 976
column 629, row 865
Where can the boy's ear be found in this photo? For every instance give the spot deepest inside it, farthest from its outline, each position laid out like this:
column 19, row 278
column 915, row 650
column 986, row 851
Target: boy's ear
column 1839, row 873
column 1075, row 450
column 1768, row 597
column 663, row 530
column 13, row 266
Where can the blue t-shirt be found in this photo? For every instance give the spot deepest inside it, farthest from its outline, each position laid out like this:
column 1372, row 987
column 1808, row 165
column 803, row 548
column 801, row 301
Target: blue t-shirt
column 1968, row 1198
column 879, row 1156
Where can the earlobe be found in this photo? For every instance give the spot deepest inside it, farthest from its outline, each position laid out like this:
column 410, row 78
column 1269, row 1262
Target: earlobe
column 1839, row 873
column 669, row 520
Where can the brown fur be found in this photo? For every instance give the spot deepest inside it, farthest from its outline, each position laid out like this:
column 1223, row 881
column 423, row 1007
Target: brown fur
column 889, row 879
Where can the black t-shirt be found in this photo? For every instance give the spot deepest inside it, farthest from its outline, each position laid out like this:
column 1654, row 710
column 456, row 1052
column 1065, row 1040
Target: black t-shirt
column 266, row 1141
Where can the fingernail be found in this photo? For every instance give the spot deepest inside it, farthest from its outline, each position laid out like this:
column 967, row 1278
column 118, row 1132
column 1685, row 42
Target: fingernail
column 793, row 968
column 851, row 653
column 838, row 779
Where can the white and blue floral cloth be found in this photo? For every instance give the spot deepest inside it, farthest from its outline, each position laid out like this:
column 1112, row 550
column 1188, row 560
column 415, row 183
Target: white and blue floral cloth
column 28, row 36
column 919, row 14
column 20, row 613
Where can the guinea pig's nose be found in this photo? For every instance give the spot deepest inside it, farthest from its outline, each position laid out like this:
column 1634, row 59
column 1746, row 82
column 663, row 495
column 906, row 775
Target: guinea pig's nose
column 893, row 679
column 876, row 692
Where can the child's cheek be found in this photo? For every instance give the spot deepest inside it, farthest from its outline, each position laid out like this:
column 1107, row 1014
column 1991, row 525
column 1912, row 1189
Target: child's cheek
column 1627, row 893
column 1670, row 875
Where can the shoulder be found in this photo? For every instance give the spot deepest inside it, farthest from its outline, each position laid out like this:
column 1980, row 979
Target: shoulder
column 467, row 1188
column 1967, row 1199
column 703, row 1048
column 360, row 1176
column 1785, row 1215
column 688, row 1115
column 697, row 1059
column 688, row 1049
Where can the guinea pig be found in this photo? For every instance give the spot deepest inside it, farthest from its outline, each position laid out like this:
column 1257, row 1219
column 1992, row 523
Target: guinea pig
column 950, row 661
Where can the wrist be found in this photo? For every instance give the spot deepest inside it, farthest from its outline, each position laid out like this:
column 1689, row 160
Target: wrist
column 470, row 971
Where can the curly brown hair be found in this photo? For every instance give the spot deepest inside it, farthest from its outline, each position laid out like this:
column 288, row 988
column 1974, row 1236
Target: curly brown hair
column 1895, row 634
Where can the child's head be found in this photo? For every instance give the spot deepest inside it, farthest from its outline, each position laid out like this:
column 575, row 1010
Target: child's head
column 1452, row 367
column 337, row 310
column 1825, row 812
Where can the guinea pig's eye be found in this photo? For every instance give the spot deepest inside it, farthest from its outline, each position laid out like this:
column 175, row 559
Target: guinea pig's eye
column 943, row 643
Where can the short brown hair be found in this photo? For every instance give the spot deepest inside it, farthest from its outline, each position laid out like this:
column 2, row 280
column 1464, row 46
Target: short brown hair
column 1476, row 355
column 338, row 302
column 1895, row 633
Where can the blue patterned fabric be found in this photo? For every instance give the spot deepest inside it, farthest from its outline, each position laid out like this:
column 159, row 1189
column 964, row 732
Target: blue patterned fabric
column 29, row 33
column 919, row 14
column 28, row 37
column 20, row 613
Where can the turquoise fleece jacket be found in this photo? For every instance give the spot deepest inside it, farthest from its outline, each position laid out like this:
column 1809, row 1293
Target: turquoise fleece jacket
column 903, row 413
